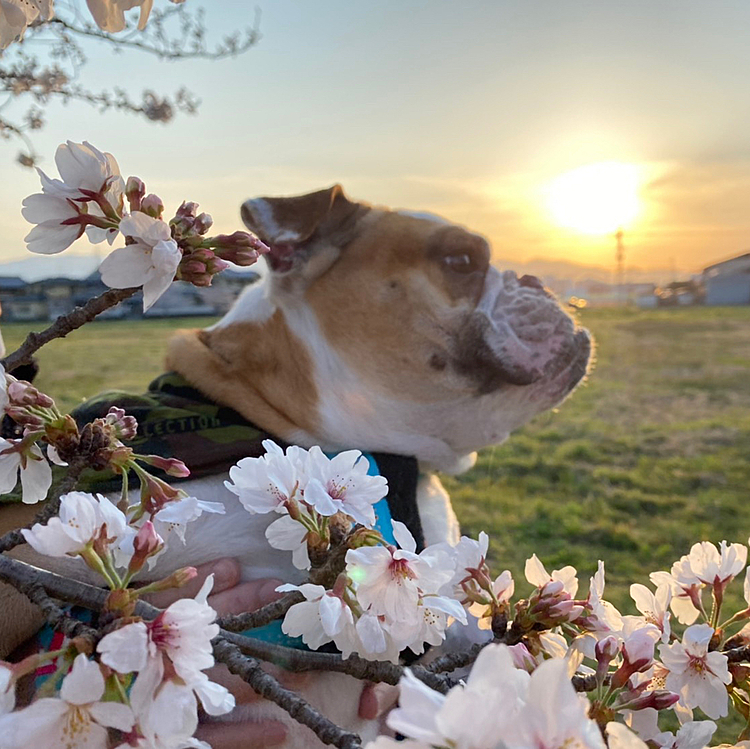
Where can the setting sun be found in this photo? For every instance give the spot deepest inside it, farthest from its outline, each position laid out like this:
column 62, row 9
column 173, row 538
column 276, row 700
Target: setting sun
column 596, row 198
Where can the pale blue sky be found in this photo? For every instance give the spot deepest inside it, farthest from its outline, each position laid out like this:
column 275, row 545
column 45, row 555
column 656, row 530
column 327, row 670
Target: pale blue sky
column 464, row 109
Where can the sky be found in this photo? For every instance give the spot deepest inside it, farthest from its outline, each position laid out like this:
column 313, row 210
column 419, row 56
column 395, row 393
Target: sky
column 471, row 110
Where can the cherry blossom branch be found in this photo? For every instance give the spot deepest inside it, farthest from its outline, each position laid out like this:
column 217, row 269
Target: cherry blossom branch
column 293, row 659
column 735, row 655
column 229, row 48
column 261, row 616
column 65, row 324
column 265, row 685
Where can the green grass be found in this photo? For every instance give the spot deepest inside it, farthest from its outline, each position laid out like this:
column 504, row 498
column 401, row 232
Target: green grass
column 649, row 456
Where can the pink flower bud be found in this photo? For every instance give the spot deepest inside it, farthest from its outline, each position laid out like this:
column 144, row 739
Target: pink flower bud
column 21, row 416
column 171, row 466
column 606, row 649
column 240, row 248
column 522, row 658
column 658, row 699
column 152, row 205
column 134, row 192
column 203, row 222
column 552, row 588
column 182, row 576
column 146, row 543
column 156, row 493
column 187, row 209
column 637, row 655
column 23, row 393
column 126, row 427
column 147, row 540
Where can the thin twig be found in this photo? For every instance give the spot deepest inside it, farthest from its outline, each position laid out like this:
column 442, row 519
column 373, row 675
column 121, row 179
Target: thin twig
column 735, row 655
column 66, row 324
column 261, row 616
column 252, row 38
column 293, row 659
column 265, row 685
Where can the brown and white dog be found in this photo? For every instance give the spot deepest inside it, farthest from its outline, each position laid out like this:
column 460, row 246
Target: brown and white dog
column 378, row 330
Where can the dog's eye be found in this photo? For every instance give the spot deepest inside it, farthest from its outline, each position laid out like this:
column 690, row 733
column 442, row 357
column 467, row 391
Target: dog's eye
column 460, row 262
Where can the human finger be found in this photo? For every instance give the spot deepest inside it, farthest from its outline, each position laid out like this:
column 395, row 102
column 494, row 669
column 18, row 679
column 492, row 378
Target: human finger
column 247, row 596
column 226, row 572
column 242, row 734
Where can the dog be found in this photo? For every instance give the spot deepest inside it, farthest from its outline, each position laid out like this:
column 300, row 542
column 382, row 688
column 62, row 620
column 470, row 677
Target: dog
column 378, row 330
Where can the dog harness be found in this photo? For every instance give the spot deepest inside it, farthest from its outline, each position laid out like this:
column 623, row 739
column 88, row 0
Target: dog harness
column 177, row 420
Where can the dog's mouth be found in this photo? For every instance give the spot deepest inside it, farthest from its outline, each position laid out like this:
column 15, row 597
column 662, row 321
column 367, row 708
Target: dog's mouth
column 519, row 335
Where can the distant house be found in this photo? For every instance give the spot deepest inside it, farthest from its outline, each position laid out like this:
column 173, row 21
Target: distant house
column 680, row 294
column 51, row 297
column 728, row 282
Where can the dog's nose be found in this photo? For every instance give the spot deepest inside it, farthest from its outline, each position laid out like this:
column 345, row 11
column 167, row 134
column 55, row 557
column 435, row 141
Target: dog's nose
column 531, row 281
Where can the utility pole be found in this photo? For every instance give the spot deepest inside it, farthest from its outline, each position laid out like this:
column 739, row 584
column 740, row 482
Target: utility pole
column 620, row 260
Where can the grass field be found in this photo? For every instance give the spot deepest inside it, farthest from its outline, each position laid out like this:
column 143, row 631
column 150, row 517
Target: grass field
column 651, row 455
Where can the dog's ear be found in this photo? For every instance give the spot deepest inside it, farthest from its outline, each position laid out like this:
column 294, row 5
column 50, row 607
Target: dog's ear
column 291, row 227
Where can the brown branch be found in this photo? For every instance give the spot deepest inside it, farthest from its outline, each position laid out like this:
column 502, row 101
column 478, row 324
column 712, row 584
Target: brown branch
column 735, row 655
column 265, row 685
column 66, row 324
column 293, row 659
column 261, row 616
column 15, row 538
column 452, row 661
column 228, row 50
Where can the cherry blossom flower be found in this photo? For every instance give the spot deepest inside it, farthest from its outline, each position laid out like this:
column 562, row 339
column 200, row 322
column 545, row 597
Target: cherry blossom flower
column 621, row 737
column 704, row 565
column 288, row 534
column 182, row 634
column 692, row 735
column 110, row 14
column 553, row 601
column 174, row 517
column 683, row 597
column 472, row 715
column 428, row 624
column 341, row 484
column 536, row 574
column 707, row 565
column 553, row 714
column 168, row 721
column 319, row 619
column 417, row 711
column 637, row 651
column 151, row 261
column 29, row 461
column 390, row 581
column 16, row 15
column 599, row 617
column 88, row 175
column 654, row 607
column 267, row 483
column 77, row 720
column 82, row 519
column 699, row 677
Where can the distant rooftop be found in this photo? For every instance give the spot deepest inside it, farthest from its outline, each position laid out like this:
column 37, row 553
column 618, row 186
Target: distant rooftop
column 739, row 263
column 8, row 283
